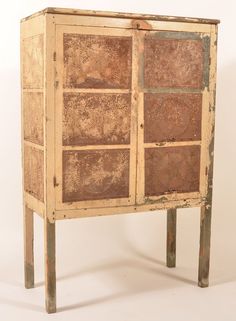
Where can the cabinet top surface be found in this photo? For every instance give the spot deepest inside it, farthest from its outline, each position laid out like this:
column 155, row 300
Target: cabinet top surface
column 70, row 11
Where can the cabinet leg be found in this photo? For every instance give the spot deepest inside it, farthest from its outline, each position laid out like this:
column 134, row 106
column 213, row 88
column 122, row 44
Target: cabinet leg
column 171, row 238
column 28, row 247
column 50, row 268
column 204, row 252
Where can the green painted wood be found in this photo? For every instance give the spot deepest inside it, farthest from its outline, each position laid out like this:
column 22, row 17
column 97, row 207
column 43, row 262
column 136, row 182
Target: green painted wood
column 171, row 238
column 50, row 268
column 28, row 248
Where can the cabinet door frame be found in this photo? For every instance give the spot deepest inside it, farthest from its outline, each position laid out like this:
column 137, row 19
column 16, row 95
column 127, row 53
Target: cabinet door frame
column 112, row 202
column 206, row 124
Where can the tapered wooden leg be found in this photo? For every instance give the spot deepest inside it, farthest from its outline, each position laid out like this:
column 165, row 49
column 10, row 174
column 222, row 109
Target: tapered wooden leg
column 50, row 268
column 171, row 238
column 204, row 252
column 28, row 247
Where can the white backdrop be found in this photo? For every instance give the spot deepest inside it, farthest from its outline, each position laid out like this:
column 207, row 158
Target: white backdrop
column 112, row 268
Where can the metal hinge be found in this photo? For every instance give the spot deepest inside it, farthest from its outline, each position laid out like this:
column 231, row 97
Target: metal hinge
column 54, row 56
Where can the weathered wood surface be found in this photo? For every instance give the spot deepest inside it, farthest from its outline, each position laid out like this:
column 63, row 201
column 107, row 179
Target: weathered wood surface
column 204, row 251
column 206, row 209
column 97, row 144
column 151, row 206
column 29, row 247
column 50, row 265
column 171, row 238
column 96, row 13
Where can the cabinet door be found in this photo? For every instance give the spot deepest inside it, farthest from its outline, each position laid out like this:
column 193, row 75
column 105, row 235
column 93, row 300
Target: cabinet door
column 95, row 118
column 173, row 84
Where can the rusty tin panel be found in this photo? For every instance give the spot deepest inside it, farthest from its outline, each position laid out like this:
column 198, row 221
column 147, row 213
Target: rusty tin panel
column 32, row 57
column 172, row 169
column 33, row 117
column 172, row 117
column 94, row 61
column 95, row 174
column 90, row 119
column 178, row 63
column 34, row 172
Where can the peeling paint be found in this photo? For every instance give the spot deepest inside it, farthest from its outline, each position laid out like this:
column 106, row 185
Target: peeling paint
column 206, row 61
column 140, row 24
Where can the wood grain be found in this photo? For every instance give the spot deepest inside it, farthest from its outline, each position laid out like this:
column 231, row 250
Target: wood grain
column 171, row 238
column 50, row 265
column 29, row 247
column 97, row 13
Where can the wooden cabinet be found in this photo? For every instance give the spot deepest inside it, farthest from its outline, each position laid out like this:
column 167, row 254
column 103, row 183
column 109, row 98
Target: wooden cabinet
column 117, row 117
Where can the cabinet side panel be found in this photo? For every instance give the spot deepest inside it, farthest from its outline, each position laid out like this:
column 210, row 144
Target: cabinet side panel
column 32, row 67
column 32, row 102
column 34, row 172
column 33, row 117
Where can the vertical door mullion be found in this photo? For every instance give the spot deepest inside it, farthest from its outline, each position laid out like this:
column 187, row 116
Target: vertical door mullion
column 140, row 117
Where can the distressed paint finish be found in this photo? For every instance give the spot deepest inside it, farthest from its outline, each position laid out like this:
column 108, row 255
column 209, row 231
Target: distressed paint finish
column 110, row 14
column 206, row 209
column 178, row 63
column 91, row 118
column 94, row 61
column 172, row 169
column 28, row 247
column 34, row 172
column 101, row 64
column 50, row 265
column 172, row 117
column 33, row 117
column 205, row 217
column 99, row 174
column 171, row 238
column 33, row 65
